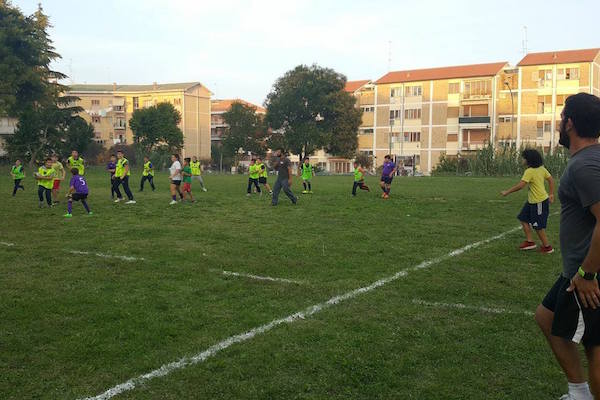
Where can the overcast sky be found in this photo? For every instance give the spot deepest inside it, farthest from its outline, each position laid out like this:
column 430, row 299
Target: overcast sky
column 238, row 48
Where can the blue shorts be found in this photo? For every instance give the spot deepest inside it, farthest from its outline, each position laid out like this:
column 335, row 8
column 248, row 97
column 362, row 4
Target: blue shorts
column 387, row 179
column 535, row 214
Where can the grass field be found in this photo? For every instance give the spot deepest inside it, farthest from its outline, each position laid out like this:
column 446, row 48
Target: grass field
column 75, row 325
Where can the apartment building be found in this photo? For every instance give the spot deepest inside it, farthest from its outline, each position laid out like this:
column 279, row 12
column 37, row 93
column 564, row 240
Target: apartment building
column 109, row 107
column 220, row 107
column 7, row 128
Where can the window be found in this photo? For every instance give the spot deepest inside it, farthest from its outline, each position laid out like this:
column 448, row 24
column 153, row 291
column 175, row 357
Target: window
column 545, row 75
column 136, row 103
column 411, row 91
column 505, row 118
column 453, row 88
column 366, row 131
column 560, row 100
column 95, row 120
column 543, row 127
column 396, row 92
column 148, row 103
column 368, row 109
column 477, row 88
column 572, row 73
column 95, row 102
column 394, row 114
column 177, row 102
column 412, row 113
column 412, row 136
column 543, row 103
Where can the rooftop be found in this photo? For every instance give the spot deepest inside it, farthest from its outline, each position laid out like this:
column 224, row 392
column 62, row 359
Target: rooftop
column 353, row 86
column 132, row 88
column 222, row 105
column 432, row 74
column 559, row 57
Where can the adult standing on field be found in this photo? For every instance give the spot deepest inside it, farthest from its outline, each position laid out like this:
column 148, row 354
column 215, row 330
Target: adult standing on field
column 570, row 312
column 122, row 174
column 175, row 178
column 283, row 166
column 74, row 161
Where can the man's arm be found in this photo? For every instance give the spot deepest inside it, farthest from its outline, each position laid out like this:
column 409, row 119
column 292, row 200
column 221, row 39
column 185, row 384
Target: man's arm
column 515, row 188
column 588, row 291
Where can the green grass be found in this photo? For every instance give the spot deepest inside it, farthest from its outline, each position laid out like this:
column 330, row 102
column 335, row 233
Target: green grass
column 74, row 326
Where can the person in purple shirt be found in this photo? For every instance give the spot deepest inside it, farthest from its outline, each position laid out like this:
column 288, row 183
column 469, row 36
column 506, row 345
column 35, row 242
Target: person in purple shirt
column 387, row 175
column 112, row 167
column 78, row 191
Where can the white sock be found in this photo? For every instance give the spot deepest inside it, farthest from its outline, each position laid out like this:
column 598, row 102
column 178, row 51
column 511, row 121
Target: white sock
column 580, row 391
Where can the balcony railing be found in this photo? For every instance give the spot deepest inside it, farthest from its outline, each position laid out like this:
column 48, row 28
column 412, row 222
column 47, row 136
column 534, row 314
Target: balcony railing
column 474, row 120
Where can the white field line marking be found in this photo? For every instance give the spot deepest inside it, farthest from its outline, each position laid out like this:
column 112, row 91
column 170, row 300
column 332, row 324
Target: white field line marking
column 7, row 244
column 460, row 306
column 307, row 312
column 260, row 278
column 103, row 255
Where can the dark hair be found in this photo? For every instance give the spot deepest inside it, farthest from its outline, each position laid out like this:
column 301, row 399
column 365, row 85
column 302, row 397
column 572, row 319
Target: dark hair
column 533, row 158
column 119, row 151
column 74, row 171
column 584, row 111
column 113, row 155
column 259, row 158
column 306, row 158
column 48, row 159
column 187, row 159
column 388, row 156
column 176, row 156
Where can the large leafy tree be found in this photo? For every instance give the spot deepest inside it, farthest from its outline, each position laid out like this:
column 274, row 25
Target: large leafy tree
column 157, row 126
column 309, row 110
column 30, row 89
column 245, row 130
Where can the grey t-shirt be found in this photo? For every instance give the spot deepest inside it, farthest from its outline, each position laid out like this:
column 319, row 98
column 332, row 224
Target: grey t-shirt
column 579, row 189
column 282, row 168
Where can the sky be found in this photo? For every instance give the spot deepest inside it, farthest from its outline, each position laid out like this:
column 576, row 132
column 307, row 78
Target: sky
column 239, row 48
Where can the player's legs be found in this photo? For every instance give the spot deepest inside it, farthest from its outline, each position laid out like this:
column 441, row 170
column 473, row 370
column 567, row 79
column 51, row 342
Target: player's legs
column 276, row 190
column 304, row 183
column 199, row 178
column 565, row 351
column 112, row 188
column 151, row 181
column 125, row 182
column 115, row 188
column 41, row 194
column 309, row 183
column 363, row 186
column 382, row 185
column 354, row 186
column 542, row 235
column 48, row 196
column 593, row 356
column 255, row 181
column 17, row 186
column 249, row 188
column 288, row 191
column 144, row 178
column 527, row 231
column 173, row 192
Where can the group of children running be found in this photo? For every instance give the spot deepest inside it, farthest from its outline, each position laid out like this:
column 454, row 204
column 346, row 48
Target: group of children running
column 533, row 215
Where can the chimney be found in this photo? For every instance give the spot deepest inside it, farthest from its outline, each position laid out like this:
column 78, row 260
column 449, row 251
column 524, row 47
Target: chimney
column 554, row 56
column 155, row 85
column 114, row 86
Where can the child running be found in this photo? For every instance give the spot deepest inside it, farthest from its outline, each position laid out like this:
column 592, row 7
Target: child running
column 78, row 191
column 18, row 174
column 175, row 178
column 537, row 208
column 254, row 172
column 122, row 174
column 111, row 167
column 387, row 175
column 74, row 161
column 262, row 176
column 147, row 174
column 45, row 178
column 197, row 172
column 359, row 179
column 307, row 172
column 187, row 179
column 59, row 169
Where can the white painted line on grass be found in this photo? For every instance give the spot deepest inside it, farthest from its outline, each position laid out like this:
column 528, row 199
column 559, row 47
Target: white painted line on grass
column 460, row 306
column 7, row 244
column 260, row 278
column 103, row 255
column 307, row 312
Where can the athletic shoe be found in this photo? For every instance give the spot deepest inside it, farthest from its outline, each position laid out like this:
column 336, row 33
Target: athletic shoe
column 67, row 215
column 526, row 245
column 248, row 194
column 305, row 192
column 386, row 196
column 204, row 190
column 567, row 397
column 310, row 192
column 270, row 192
column 41, row 205
column 383, row 195
column 90, row 213
column 172, row 202
column 118, row 200
column 130, row 202
column 546, row 249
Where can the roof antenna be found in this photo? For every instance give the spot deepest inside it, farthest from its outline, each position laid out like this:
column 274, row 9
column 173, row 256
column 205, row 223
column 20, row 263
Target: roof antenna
column 525, row 41
column 389, row 55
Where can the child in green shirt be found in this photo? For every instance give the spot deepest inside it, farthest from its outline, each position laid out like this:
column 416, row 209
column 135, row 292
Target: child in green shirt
column 18, row 173
column 45, row 177
column 187, row 179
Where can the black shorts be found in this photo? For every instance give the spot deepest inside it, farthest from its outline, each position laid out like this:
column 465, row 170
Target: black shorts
column 387, row 179
column 262, row 180
column 572, row 321
column 535, row 214
column 79, row 196
column 176, row 182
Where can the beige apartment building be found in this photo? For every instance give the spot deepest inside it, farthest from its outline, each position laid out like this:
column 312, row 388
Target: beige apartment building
column 417, row 115
column 109, row 107
column 220, row 107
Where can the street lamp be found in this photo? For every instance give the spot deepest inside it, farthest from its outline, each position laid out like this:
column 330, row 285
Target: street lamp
column 512, row 116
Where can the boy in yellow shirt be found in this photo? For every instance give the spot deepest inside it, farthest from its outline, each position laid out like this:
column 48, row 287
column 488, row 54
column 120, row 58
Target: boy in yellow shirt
column 536, row 210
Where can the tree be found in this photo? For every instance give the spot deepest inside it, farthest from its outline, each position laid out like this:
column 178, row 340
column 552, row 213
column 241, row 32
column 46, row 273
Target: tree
column 309, row 110
column 246, row 130
column 157, row 126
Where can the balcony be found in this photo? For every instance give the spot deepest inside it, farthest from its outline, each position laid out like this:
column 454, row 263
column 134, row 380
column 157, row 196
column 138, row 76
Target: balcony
column 474, row 120
column 119, row 125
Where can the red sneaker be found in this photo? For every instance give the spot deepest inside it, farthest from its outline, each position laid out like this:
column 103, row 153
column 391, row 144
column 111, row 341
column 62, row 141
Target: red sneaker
column 546, row 249
column 386, row 196
column 526, row 245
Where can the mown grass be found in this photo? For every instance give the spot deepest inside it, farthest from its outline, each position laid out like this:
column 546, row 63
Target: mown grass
column 75, row 325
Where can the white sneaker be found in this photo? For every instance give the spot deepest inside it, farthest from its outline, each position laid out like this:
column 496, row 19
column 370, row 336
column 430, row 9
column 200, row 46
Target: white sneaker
column 118, row 200
column 567, row 396
column 131, row 202
column 204, row 190
column 172, row 202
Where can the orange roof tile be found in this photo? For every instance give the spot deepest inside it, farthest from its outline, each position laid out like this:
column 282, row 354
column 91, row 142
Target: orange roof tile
column 433, row 74
column 353, row 86
column 559, row 57
column 225, row 104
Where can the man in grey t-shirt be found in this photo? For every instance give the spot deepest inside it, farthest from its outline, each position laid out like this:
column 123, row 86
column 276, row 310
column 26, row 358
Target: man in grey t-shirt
column 283, row 166
column 570, row 312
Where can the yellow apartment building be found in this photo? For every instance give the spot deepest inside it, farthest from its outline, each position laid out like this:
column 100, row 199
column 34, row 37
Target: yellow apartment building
column 109, row 107
column 220, row 107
